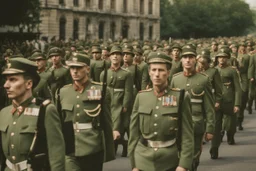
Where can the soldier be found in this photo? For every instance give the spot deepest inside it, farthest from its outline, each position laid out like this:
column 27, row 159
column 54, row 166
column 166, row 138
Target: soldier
column 59, row 73
column 231, row 99
column 252, row 82
column 243, row 61
column 233, row 56
column 156, row 137
column 203, row 65
column 82, row 103
column 31, row 131
column 97, row 64
column 214, row 51
column 176, row 63
column 120, row 82
column 199, row 87
column 42, row 90
column 145, row 80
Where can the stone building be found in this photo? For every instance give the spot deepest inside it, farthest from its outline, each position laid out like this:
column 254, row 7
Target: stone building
column 100, row 19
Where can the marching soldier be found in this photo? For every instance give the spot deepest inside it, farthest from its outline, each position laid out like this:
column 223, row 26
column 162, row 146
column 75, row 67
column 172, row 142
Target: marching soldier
column 30, row 130
column 97, row 64
column 203, row 65
column 214, row 50
column 156, row 138
column 231, row 99
column 87, row 106
column 176, row 63
column 120, row 82
column 199, row 87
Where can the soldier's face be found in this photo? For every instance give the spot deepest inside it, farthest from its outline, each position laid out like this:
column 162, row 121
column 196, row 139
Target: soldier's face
column 188, row 62
column 175, row 53
column 16, row 86
column 56, row 60
column 222, row 60
column 41, row 64
column 128, row 58
column 158, row 74
column 96, row 55
column 116, row 58
column 105, row 54
column 214, row 47
column 234, row 49
column 79, row 73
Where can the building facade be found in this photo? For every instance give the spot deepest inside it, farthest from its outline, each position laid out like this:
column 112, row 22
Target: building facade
column 100, row 19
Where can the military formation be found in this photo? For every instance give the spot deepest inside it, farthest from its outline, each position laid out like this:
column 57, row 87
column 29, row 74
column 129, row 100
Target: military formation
column 70, row 105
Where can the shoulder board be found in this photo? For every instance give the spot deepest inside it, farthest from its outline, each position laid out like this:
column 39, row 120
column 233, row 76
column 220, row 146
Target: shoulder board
column 124, row 69
column 174, row 75
column 98, row 83
column 147, row 90
column 46, row 102
column 67, row 85
column 175, row 89
column 203, row 74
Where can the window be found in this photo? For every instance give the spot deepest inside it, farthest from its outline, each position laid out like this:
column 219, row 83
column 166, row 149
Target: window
column 101, row 30
column 88, row 3
column 61, row 2
column 75, row 29
column 76, row 3
column 125, row 6
column 87, row 28
column 150, row 32
column 141, row 6
column 135, row 6
column 113, row 4
column 62, row 30
column 150, row 7
column 112, row 30
column 141, row 31
column 100, row 4
column 125, row 29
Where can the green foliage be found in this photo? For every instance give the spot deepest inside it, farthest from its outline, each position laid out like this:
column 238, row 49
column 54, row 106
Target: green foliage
column 204, row 18
column 20, row 13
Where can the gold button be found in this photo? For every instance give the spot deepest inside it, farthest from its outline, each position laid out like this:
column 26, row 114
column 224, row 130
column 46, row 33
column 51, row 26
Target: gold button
column 13, row 157
column 155, row 124
column 155, row 133
column 12, row 134
column 156, row 115
column 14, row 123
column 111, row 77
column 77, row 114
column 155, row 149
column 77, row 105
column 77, row 130
column 12, row 146
column 77, row 97
column 159, row 99
column 187, row 84
column 157, row 107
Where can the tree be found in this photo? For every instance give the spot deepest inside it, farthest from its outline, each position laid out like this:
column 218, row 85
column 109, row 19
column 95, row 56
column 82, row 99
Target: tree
column 204, row 18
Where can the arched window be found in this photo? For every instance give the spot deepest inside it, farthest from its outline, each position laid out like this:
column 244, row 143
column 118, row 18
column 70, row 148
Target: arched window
column 125, row 29
column 101, row 30
column 113, row 5
column 62, row 30
column 141, row 31
column 101, row 4
column 75, row 29
column 112, row 30
column 150, row 6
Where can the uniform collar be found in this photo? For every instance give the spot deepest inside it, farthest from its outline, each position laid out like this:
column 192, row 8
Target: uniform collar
column 114, row 69
column 22, row 106
column 162, row 93
column 188, row 74
column 81, row 89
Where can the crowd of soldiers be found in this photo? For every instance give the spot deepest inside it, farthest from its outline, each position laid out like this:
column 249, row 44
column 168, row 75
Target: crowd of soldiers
column 68, row 106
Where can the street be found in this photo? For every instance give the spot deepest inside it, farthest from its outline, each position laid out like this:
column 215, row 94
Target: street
column 238, row 157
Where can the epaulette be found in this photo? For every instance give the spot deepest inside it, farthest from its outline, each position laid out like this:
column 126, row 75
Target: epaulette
column 125, row 69
column 204, row 74
column 98, row 83
column 147, row 90
column 67, row 85
column 175, row 89
column 174, row 75
column 46, row 102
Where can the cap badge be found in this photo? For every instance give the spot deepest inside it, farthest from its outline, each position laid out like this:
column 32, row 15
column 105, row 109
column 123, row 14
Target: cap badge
column 74, row 59
column 9, row 65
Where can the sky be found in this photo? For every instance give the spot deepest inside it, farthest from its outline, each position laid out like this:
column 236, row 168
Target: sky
column 252, row 3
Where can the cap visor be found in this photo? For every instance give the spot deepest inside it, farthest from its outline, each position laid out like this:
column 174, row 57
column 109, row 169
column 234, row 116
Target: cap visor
column 12, row 71
column 72, row 63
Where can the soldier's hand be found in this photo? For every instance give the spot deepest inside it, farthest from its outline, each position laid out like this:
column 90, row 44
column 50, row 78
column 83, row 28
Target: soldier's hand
column 135, row 169
column 208, row 136
column 180, row 169
column 217, row 106
column 116, row 135
column 236, row 109
column 252, row 79
column 124, row 109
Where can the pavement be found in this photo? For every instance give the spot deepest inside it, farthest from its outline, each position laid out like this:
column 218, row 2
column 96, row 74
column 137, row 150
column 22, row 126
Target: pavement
column 238, row 157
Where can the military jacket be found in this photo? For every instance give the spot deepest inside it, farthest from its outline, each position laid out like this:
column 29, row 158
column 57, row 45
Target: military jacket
column 252, row 67
column 230, row 85
column 145, row 80
column 42, row 90
column 97, row 66
column 121, row 90
column 18, row 127
column 156, row 119
column 200, row 89
column 85, row 108
column 244, row 61
column 215, row 79
column 176, row 68
column 136, row 75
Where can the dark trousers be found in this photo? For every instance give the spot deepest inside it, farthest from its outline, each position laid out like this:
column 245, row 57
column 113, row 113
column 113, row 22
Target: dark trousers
column 93, row 162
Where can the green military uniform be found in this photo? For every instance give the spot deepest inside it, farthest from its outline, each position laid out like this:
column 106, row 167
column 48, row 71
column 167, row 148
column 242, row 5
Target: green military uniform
column 231, row 95
column 19, row 127
column 251, row 74
column 199, row 87
column 244, row 61
column 214, row 53
column 93, row 138
column 176, row 63
column 154, row 127
column 97, row 65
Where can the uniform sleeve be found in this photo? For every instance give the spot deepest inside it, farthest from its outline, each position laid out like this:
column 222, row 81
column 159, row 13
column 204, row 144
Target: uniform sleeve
column 55, row 140
column 238, row 90
column 187, row 140
column 217, row 83
column 144, row 77
column 134, row 132
column 251, row 67
column 128, row 91
column 208, row 105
